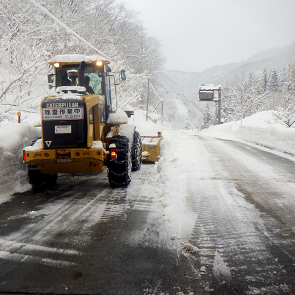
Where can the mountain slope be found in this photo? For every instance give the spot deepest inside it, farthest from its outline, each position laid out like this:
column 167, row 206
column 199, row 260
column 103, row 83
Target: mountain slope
column 188, row 83
column 183, row 86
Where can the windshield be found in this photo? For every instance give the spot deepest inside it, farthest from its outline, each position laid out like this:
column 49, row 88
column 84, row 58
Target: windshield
column 68, row 76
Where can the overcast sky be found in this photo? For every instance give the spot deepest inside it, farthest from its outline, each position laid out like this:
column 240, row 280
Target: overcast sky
column 198, row 34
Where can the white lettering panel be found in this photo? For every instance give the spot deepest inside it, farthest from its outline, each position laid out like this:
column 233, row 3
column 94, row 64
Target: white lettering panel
column 63, row 129
column 49, row 114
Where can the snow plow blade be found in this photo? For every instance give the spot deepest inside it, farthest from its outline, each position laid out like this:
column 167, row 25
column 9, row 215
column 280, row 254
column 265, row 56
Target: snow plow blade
column 151, row 148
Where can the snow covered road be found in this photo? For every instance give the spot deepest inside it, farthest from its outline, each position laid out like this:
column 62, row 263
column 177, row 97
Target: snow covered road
column 211, row 217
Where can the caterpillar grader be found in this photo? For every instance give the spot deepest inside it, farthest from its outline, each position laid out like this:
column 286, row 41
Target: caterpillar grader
column 80, row 132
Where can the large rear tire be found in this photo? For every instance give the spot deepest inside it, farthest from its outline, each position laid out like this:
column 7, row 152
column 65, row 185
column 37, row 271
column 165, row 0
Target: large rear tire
column 136, row 152
column 38, row 179
column 119, row 168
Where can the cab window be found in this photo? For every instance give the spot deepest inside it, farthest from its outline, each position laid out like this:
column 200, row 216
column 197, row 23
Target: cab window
column 93, row 78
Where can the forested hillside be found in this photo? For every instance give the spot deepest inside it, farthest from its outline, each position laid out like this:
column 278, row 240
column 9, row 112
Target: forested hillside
column 265, row 81
column 29, row 38
column 271, row 90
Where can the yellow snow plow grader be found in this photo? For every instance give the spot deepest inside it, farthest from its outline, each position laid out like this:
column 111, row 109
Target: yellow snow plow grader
column 80, row 132
column 151, row 148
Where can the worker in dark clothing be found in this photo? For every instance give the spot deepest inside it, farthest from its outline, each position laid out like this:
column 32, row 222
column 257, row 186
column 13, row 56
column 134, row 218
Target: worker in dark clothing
column 65, row 81
column 84, row 80
column 87, row 86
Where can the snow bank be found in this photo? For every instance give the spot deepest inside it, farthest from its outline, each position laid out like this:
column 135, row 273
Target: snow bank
column 144, row 127
column 13, row 138
column 173, row 168
column 8, row 115
column 263, row 129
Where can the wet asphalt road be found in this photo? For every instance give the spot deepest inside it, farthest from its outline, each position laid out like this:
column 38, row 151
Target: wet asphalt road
column 237, row 235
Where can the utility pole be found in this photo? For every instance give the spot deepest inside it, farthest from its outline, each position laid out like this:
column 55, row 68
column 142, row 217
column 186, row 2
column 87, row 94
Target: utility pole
column 162, row 115
column 147, row 100
column 219, row 106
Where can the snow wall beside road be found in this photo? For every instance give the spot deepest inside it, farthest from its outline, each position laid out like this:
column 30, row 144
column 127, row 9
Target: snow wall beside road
column 13, row 138
column 263, row 129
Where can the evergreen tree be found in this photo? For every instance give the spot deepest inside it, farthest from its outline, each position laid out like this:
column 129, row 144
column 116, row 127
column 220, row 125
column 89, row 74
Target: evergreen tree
column 187, row 125
column 207, row 117
column 291, row 77
column 263, row 81
column 273, row 81
column 243, row 97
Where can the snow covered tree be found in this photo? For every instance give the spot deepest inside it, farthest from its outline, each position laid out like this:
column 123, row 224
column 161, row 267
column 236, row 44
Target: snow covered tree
column 23, row 49
column 187, row 125
column 246, row 96
column 273, row 81
column 207, row 118
column 263, row 81
column 29, row 37
column 290, row 78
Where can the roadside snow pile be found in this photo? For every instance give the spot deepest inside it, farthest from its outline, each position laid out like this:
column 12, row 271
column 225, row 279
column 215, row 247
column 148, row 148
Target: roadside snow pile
column 8, row 115
column 263, row 129
column 144, row 127
column 177, row 164
column 13, row 138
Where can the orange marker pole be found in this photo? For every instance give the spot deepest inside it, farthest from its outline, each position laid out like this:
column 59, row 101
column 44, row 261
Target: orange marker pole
column 18, row 117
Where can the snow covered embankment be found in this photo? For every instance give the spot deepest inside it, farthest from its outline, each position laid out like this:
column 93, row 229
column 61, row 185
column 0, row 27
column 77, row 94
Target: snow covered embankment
column 263, row 129
column 13, row 138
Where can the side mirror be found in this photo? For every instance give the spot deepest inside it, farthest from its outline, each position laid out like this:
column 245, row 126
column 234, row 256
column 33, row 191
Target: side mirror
column 51, row 81
column 129, row 113
column 123, row 75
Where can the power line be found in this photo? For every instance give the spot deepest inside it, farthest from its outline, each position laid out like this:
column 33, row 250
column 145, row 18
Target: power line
column 69, row 30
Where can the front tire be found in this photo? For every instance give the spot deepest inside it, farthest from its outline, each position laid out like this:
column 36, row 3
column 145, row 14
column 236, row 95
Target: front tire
column 136, row 152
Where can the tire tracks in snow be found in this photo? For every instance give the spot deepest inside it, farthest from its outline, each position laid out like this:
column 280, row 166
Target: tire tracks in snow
column 57, row 230
column 233, row 237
